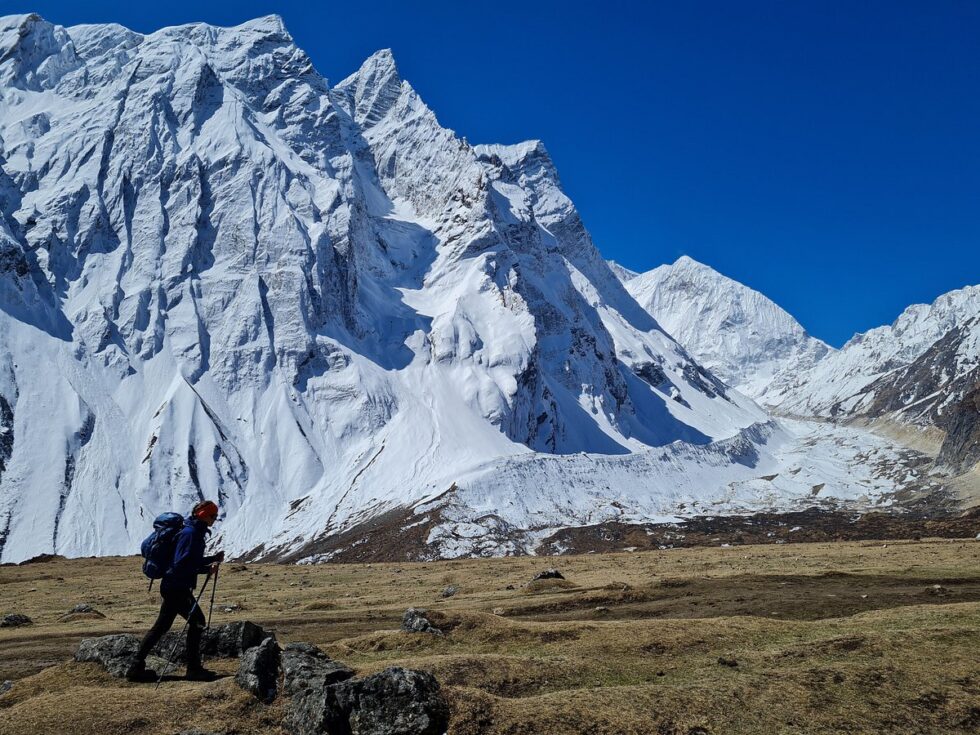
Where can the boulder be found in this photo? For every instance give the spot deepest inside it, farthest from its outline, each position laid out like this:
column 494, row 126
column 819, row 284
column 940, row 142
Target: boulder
column 548, row 574
column 306, row 667
column 15, row 620
column 258, row 671
column 114, row 652
column 82, row 607
column 395, row 701
column 5, row 687
column 415, row 621
column 224, row 641
column 450, row 590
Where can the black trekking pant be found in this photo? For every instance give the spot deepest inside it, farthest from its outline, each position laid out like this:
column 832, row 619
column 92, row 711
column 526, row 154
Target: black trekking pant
column 177, row 602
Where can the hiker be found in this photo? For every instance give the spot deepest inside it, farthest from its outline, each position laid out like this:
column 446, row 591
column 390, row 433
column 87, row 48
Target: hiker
column 177, row 590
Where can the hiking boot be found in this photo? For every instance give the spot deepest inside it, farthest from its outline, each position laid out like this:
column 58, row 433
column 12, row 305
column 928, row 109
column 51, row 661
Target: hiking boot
column 137, row 671
column 199, row 673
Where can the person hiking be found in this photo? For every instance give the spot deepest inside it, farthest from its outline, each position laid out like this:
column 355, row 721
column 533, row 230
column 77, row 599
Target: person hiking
column 177, row 590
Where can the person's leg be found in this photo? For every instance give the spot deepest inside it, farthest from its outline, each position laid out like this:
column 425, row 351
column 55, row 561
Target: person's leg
column 191, row 611
column 168, row 612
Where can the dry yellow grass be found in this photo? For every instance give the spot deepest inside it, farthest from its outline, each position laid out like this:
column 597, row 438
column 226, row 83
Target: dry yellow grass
column 821, row 638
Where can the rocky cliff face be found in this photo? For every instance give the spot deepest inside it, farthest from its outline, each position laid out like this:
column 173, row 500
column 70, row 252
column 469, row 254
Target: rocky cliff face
column 221, row 276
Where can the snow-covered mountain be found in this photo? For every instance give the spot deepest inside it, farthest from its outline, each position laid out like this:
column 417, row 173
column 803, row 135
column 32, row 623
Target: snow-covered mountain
column 922, row 371
column 224, row 277
column 737, row 333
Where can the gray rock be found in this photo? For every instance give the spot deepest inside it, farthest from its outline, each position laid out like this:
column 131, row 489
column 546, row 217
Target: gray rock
column 15, row 620
column 548, row 574
column 114, row 652
column 450, row 591
column 5, row 687
column 224, row 641
column 258, row 671
column 81, row 612
column 395, row 701
column 415, row 620
column 306, row 667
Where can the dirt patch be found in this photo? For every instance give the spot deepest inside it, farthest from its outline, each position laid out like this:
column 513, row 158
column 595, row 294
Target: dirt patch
column 931, row 519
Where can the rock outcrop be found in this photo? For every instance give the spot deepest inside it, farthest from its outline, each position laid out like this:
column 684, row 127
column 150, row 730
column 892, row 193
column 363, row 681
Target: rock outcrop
column 395, row 701
column 114, row 652
column 258, row 670
column 230, row 640
column 415, row 620
column 306, row 667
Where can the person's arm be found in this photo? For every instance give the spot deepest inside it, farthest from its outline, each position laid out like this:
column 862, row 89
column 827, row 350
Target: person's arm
column 208, row 562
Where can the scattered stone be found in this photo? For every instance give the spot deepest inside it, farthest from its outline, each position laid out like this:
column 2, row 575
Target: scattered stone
column 395, row 701
column 5, row 687
column 499, row 611
column 601, row 610
column 937, row 590
column 415, row 621
column 864, row 597
column 548, row 574
column 15, row 620
column 450, row 591
column 729, row 662
column 82, row 611
column 232, row 608
column 510, row 587
column 258, row 671
column 114, row 652
column 230, row 640
column 305, row 666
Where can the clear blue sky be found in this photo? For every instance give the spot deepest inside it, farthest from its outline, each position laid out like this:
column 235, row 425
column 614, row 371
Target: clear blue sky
column 825, row 153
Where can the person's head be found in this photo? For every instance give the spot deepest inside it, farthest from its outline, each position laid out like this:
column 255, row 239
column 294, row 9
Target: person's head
column 205, row 511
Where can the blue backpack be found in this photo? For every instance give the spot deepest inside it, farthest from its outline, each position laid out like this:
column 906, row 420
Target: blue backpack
column 158, row 548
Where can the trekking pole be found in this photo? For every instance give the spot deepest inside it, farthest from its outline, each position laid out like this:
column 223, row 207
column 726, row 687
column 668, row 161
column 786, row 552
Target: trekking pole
column 214, row 588
column 187, row 622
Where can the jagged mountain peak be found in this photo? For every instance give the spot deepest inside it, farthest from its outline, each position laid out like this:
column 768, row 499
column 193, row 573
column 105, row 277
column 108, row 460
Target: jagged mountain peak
column 254, row 287
column 735, row 331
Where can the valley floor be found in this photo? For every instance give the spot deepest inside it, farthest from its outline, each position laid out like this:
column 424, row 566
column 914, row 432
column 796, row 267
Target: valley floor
column 860, row 637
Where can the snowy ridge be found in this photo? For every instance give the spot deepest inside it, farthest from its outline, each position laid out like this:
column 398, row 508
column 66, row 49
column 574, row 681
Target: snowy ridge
column 222, row 277
column 737, row 333
column 922, row 371
column 849, row 381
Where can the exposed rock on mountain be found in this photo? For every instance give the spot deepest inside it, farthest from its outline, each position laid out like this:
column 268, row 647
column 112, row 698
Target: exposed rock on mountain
column 919, row 372
column 223, row 277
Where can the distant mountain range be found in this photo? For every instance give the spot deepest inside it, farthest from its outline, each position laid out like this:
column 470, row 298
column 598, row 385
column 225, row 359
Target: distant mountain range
column 922, row 371
column 222, row 276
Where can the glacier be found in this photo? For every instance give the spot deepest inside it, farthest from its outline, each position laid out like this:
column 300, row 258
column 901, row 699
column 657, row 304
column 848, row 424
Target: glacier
column 222, row 276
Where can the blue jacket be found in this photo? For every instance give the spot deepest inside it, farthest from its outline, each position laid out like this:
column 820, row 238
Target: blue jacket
column 189, row 559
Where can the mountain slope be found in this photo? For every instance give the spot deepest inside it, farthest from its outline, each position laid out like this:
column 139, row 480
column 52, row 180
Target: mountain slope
column 922, row 371
column 737, row 333
column 223, row 277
